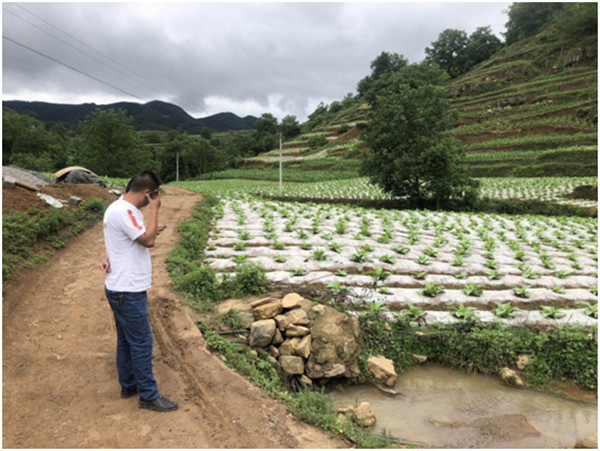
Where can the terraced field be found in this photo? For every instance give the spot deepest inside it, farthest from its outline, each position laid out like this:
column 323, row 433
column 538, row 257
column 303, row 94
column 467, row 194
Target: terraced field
column 441, row 263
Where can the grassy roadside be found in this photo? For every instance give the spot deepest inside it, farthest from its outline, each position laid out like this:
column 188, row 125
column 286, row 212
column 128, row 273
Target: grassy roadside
column 30, row 238
column 199, row 286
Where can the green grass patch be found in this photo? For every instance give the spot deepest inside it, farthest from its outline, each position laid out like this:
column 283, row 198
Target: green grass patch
column 28, row 236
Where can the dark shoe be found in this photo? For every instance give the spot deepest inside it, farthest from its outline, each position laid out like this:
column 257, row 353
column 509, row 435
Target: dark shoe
column 128, row 392
column 160, row 404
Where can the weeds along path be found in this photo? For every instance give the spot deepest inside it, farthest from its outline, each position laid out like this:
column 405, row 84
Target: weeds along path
column 60, row 386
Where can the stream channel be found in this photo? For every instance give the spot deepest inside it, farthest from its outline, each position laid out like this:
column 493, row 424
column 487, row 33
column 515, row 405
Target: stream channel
column 448, row 408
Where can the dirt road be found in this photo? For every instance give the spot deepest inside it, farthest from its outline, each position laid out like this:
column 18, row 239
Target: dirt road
column 60, row 387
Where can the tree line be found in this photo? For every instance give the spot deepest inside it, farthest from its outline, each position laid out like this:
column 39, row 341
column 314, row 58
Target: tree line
column 107, row 143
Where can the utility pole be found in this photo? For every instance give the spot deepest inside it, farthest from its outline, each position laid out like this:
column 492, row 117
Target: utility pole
column 177, row 167
column 280, row 165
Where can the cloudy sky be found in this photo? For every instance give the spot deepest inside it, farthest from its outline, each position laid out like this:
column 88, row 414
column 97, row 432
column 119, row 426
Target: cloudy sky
column 247, row 58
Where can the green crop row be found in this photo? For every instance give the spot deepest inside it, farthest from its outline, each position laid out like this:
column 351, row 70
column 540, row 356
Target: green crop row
column 534, row 142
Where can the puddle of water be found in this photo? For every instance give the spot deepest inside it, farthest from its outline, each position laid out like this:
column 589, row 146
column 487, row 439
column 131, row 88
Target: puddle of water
column 451, row 409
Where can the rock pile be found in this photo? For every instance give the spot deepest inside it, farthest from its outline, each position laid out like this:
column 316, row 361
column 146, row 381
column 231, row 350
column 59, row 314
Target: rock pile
column 309, row 340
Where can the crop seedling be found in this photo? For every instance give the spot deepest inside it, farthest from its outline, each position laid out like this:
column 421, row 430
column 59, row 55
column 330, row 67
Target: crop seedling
column 277, row 245
column 301, row 234
column 472, row 289
column 341, row 273
column 466, row 314
column 420, row 275
column 412, row 313
column 559, row 289
column 378, row 274
column 239, row 259
column 528, row 273
column 505, row 310
column 549, row 311
column 297, row 272
column 360, row 256
column 384, row 239
column 244, row 235
column 327, row 236
column 491, row 264
column 366, row 247
column 521, row 291
column 335, row 247
column 431, row 252
column 336, row 288
column 401, row 249
column 239, row 246
column 591, row 310
column 305, row 246
column 388, row 259
column 576, row 265
column 594, row 290
column 458, row 260
column 461, row 275
column 422, row 260
column 432, row 290
column 320, row 255
column 562, row 274
column 280, row 259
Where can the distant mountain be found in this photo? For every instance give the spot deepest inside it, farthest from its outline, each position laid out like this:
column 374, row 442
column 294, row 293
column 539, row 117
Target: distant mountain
column 155, row 115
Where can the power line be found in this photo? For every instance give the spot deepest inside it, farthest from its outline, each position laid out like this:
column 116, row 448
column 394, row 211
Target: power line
column 87, row 45
column 195, row 107
column 72, row 68
column 79, row 50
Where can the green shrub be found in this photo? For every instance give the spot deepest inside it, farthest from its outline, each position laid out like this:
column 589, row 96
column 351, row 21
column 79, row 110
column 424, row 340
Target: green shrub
column 250, row 279
column 201, row 284
column 94, row 204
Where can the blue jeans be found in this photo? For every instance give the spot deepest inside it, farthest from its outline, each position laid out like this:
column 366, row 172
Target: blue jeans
column 134, row 342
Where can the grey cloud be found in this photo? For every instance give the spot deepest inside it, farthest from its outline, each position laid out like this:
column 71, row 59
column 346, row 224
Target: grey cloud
column 251, row 52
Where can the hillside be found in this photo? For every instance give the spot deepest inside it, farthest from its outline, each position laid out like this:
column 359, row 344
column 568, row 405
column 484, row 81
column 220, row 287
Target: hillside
column 155, row 115
column 530, row 110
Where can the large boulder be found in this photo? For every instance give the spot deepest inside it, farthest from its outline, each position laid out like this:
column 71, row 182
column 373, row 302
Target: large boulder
column 288, row 347
column 268, row 309
column 335, row 344
column 296, row 316
column 262, row 333
column 292, row 364
column 291, row 301
column 303, row 348
column 510, row 377
column 382, row 370
column 294, row 330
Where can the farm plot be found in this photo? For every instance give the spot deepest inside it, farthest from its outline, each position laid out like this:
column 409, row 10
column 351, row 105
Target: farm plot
column 547, row 189
column 518, row 269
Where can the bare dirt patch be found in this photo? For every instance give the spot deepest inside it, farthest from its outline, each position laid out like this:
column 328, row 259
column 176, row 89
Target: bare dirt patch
column 21, row 199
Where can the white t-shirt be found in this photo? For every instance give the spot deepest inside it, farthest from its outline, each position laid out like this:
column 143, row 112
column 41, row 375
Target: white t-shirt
column 131, row 268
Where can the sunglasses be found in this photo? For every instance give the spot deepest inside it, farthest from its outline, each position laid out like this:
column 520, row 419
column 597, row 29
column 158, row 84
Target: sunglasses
column 154, row 194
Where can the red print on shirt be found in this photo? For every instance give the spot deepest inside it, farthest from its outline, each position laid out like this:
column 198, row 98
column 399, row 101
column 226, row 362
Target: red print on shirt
column 133, row 220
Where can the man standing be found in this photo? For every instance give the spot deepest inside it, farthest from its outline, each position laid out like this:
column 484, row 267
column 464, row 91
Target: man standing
column 128, row 277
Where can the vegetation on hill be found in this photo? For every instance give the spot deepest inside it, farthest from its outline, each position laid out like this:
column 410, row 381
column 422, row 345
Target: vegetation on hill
column 530, row 110
column 155, row 115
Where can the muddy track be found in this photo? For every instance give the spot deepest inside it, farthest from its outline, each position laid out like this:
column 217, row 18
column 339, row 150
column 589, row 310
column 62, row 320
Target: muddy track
column 60, row 386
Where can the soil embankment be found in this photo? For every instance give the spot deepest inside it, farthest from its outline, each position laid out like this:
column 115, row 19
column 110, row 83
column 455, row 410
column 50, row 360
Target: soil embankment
column 60, row 387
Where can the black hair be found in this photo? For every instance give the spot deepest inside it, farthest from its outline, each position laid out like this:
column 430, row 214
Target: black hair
column 143, row 180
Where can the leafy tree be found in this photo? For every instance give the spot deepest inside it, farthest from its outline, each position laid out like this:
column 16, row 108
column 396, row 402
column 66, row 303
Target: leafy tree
column 266, row 124
column 525, row 19
column 577, row 20
column 482, row 45
column 385, row 64
column 206, row 133
column 167, row 157
column 449, row 51
column 289, row 126
column 27, row 143
column 410, row 155
column 110, row 145
column 199, row 156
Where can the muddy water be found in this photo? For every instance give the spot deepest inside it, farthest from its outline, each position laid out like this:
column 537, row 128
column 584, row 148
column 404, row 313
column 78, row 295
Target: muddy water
column 451, row 409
